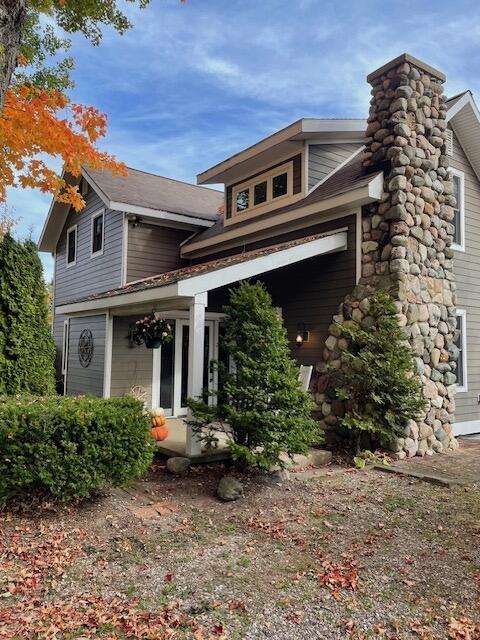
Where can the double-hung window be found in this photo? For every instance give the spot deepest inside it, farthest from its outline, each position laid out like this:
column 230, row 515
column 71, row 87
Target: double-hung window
column 461, row 343
column 459, row 210
column 71, row 250
column 97, row 233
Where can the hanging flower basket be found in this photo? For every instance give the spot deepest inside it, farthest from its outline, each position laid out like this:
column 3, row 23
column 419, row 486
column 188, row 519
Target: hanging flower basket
column 152, row 331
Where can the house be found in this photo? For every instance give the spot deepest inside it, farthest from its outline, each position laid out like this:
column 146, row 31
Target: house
column 318, row 210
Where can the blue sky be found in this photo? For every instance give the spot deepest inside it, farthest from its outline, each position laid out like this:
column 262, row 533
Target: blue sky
column 193, row 83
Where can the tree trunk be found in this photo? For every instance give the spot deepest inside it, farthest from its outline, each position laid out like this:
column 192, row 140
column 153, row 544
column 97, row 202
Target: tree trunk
column 12, row 22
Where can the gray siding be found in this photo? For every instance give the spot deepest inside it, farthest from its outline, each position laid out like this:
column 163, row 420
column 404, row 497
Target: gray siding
column 308, row 292
column 131, row 366
column 86, row 380
column 89, row 275
column 153, row 249
column 324, row 158
column 467, row 273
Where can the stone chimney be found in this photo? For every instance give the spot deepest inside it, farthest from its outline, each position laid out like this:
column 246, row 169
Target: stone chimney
column 406, row 242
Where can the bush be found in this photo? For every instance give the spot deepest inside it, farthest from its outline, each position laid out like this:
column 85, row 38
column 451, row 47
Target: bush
column 65, row 448
column 27, row 351
column 377, row 380
column 260, row 404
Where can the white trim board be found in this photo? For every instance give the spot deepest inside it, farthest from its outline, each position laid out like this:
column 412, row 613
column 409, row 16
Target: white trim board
column 336, row 241
column 466, row 428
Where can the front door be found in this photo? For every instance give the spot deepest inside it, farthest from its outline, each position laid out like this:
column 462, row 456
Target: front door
column 174, row 367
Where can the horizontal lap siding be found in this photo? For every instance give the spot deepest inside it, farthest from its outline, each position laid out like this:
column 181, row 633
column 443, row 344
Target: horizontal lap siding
column 467, row 274
column 324, row 158
column 86, row 380
column 131, row 366
column 89, row 275
column 308, row 292
column 153, row 249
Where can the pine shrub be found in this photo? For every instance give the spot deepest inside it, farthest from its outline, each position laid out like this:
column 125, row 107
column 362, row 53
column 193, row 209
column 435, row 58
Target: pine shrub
column 27, row 350
column 260, row 404
column 67, row 447
column 377, row 380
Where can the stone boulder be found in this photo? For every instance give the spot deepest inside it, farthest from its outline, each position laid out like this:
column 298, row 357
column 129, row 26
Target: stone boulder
column 178, row 465
column 229, row 489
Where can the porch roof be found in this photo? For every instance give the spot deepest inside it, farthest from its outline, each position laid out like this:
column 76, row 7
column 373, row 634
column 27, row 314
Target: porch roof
column 206, row 276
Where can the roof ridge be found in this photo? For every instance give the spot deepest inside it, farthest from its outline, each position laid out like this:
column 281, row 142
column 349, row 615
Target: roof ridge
column 188, row 184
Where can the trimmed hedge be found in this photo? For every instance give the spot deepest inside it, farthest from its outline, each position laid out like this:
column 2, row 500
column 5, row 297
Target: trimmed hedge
column 67, row 447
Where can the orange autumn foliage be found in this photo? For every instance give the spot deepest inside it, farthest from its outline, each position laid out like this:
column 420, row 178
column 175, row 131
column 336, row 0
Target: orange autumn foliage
column 36, row 122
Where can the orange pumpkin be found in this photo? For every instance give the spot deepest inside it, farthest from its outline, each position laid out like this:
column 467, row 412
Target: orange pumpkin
column 159, row 433
column 158, row 421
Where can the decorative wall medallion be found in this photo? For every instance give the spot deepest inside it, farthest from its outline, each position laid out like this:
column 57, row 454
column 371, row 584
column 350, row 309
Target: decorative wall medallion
column 85, row 348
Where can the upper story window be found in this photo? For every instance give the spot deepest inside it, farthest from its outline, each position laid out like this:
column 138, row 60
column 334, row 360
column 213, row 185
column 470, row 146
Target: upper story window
column 459, row 210
column 263, row 190
column 97, row 233
column 71, row 252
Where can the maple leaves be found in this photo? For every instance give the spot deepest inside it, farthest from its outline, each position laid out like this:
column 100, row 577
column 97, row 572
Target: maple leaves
column 32, row 124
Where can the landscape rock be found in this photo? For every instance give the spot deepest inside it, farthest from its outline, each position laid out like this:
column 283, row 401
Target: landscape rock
column 178, row 465
column 229, row 489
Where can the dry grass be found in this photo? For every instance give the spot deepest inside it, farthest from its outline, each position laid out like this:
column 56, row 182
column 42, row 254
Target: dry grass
column 347, row 554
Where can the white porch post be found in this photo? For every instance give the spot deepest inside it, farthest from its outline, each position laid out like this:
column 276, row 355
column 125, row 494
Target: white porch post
column 195, row 362
column 107, row 366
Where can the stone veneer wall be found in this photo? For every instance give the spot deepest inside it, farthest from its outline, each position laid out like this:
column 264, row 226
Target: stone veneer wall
column 406, row 245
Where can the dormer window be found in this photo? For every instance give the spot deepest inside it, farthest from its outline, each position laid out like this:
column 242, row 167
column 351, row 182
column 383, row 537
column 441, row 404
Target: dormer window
column 263, row 190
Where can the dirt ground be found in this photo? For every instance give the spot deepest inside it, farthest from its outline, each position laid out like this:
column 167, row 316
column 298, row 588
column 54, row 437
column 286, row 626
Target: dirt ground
column 341, row 554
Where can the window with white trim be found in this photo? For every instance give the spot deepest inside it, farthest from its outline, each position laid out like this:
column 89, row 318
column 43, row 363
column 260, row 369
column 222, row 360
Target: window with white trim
column 66, row 329
column 459, row 210
column 71, row 250
column 97, row 233
column 461, row 344
column 271, row 186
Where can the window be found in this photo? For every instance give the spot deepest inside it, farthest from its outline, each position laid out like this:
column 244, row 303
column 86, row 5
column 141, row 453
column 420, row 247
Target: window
column 66, row 327
column 273, row 185
column 242, row 199
column 260, row 193
column 280, row 185
column 71, row 254
column 84, row 187
column 459, row 217
column 97, row 234
column 461, row 343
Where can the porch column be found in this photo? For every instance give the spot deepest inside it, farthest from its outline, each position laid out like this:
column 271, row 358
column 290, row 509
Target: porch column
column 195, row 363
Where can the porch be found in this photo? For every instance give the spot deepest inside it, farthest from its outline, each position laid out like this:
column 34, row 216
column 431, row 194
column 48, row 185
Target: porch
column 191, row 299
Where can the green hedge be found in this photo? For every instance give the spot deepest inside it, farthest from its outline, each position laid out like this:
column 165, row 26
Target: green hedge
column 66, row 448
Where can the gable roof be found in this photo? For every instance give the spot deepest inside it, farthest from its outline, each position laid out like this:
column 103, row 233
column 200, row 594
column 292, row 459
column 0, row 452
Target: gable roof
column 289, row 139
column 139, row 193
column 464, row 118
column 189, row 281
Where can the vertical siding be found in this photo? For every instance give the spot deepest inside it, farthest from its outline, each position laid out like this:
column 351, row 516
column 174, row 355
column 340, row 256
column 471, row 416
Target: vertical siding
column 324, row 158
column 467, row 274
column 89, row 275
column 308, row 292
column 86, row 380
column 131, row 366
column 153, row 249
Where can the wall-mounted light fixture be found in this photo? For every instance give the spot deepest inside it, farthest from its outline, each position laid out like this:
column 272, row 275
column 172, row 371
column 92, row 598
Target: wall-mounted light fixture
column 302, row 335
column 136, row 220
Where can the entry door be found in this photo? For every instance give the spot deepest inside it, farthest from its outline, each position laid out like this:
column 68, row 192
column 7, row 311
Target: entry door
column 174, row 367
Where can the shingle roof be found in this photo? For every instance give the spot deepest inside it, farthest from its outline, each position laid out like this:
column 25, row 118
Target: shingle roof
column 172, row 277
column 156, row 192
column 349, row 177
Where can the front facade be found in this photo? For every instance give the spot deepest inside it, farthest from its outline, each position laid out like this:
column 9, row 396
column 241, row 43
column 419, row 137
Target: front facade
column 297, row 214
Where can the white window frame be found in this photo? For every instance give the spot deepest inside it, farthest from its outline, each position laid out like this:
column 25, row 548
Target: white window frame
column 65, row 341
column 73, row 228
column 463, row 342
column 99, row 214
column 267, row 177
column 461, row 207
